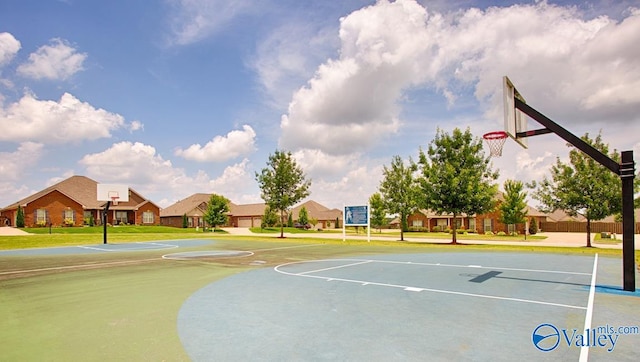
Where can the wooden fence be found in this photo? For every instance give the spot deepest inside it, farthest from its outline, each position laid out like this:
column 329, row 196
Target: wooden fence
column 581, row 227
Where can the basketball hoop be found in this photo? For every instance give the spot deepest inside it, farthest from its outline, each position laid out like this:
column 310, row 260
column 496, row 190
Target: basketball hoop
column 495, row 140
column 114, row 201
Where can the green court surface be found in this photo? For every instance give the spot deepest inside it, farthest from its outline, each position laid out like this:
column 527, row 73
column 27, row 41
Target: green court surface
column 230, row 300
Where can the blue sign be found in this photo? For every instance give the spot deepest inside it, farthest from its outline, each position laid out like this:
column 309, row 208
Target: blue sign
column 356, row 216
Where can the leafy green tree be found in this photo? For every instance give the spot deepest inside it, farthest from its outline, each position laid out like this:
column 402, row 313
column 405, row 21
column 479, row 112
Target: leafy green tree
column 582, row 186
column 399, row 190
column 185, row 221
column 217, row 209
column 513, row 209
column 290, row 221
column 303, row 216
column 378, row 212
column 282, row 183
column 456, row 176
column 20, row 217
column 270, row 218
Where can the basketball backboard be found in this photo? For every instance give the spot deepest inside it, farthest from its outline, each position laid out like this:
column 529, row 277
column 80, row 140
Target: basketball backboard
column 514, row 120
column 113, row 192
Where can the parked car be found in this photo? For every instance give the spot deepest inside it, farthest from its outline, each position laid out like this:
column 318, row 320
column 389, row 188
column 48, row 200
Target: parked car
column 300, row 226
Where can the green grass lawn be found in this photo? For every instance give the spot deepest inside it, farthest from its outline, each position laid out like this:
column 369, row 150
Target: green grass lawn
column 93, row 310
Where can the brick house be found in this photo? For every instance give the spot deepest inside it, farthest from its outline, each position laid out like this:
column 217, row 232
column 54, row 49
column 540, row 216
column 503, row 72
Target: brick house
column 482, row 223
column 194, row 206
column 73, row 201
column 243, row 215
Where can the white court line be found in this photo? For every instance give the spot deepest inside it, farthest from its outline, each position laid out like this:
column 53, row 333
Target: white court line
column 335, row 267
column 413, row 288
column 480, row 267
column 584, row 350
column 167, row 246
column 78, row 266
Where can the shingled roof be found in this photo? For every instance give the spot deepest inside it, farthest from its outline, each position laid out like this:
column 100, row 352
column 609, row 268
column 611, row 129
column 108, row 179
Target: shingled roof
column 186, row 206
column 81, row 189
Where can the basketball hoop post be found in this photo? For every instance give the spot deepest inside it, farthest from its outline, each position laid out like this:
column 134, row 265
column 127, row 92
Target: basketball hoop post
column 625, row 169
column 104, row 222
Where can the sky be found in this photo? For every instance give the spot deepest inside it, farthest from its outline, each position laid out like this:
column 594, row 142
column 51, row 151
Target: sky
column 176, row 97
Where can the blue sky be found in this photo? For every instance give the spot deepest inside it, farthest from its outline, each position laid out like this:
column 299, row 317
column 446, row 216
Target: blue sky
column 176, row 97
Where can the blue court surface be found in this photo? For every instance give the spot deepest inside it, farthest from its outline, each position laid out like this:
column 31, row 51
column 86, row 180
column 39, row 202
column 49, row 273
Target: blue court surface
column 418, row 307
column 107, row 248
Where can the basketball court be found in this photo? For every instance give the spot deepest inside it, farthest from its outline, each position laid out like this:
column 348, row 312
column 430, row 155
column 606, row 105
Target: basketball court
column 440, row 306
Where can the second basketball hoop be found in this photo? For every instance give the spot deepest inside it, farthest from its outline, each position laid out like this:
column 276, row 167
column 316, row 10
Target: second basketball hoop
column 495, row 140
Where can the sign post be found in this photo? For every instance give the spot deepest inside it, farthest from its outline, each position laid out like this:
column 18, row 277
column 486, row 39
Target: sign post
column 359, row 215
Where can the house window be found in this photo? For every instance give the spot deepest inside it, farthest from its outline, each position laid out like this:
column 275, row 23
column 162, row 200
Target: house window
column 511, row 228
column 416, row 223
column 472, row 224
column 68, row 217
column 147, row 217
column 442, row 222
column 41, row 217
column 488, row 225
column 121, row 217
column 458, row 223
column 86, row 217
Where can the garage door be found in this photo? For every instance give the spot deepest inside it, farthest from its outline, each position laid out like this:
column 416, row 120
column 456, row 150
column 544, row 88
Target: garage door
column 245, row 222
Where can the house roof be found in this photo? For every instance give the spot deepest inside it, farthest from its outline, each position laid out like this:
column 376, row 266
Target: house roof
column 316, row 210
column 80, row 189
column 247, row 209
column 187, row 206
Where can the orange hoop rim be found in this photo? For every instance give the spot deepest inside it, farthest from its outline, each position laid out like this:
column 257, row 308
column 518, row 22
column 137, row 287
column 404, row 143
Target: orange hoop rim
column 496, row 135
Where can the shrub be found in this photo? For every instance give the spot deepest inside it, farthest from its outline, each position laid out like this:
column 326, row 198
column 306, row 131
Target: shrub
column 68, row 222
column 533, row 227
column 501, row 233
column 20, row 217
column 488, row 233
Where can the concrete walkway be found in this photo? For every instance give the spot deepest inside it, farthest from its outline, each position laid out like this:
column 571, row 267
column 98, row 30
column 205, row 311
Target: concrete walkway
column 6, row 230
column 553, row 239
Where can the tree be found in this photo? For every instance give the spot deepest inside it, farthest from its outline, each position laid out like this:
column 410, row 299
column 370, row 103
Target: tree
column 282, row 183
column 290, row 221
column 185, row 221
column 303, row 216
column 456, row 176
column 270, row 218
column 20, row 217
column 582, row 186
column 378, row 213
column 513, row 209
column 217, row 210
column 399, row 190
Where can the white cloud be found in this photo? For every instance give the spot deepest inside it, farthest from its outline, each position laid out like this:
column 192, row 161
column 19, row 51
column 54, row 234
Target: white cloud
column 288, row 56
column 235, row 144
column 142, row 168
column 580, row 71
column 194, row 20
column 9, row 47
column 130, row 162
column 67, row 120
column 319, row 165
column 57, row 61
column 14, row 164
column 353, row 101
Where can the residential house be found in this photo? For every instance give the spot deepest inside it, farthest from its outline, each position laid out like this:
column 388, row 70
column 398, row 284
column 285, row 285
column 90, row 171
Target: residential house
column 326, row 218
column 74, row 201
column 194, row 207
column 242, row 215
column 247, row 215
